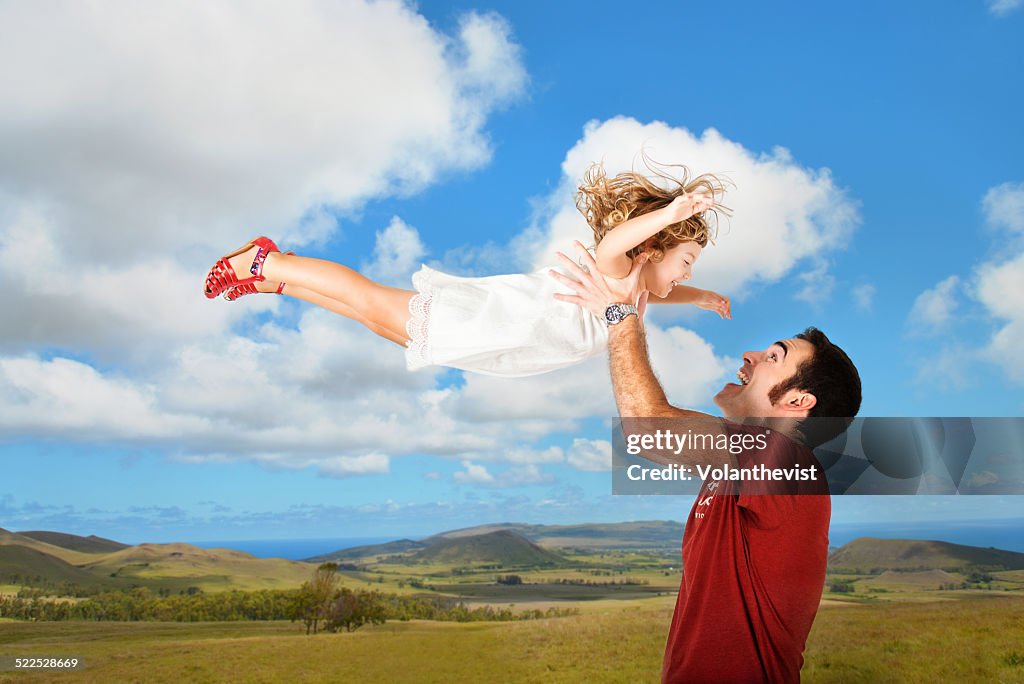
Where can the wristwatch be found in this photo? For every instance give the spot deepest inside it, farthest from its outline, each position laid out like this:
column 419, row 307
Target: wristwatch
column 616, row 313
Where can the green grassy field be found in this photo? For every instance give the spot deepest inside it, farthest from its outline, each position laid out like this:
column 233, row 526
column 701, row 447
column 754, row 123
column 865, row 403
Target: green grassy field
column 918, row 624
column 974, row 640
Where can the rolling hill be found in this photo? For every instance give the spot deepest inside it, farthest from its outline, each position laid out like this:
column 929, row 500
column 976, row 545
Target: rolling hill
column 869, row 554
column 501, row 547
column 23, row 564
column 370, row 551
column 28, row 559
column 73, row 542
column 626, row 535
column 94, row 562
column 497, row 545
column 213, row 567
column 658, row 535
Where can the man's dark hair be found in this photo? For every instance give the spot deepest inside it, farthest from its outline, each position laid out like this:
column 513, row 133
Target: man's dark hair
column 833, row 380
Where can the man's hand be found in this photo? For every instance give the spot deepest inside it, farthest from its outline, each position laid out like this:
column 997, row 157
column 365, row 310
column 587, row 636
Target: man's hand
column 596, row 292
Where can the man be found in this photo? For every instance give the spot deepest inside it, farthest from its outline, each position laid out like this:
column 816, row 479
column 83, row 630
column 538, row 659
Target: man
column 753, row 558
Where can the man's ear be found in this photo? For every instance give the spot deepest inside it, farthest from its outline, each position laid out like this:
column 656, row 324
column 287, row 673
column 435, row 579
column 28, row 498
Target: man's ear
column 798, row 400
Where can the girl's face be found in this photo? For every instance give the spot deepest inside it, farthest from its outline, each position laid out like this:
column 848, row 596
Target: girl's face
column 675, row 268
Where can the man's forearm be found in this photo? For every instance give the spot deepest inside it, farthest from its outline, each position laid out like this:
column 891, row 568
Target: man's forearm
column 637, row 390
column 639, row 395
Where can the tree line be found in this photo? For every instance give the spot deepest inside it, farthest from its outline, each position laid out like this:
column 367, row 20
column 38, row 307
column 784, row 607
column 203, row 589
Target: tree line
column 320, row 604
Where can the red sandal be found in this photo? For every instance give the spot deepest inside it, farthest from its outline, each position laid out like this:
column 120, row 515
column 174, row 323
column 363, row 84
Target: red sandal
column 250, row 288
column 222, row 276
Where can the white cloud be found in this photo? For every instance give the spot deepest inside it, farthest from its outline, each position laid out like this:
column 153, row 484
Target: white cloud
column 141, row 142
column 948, row 368
column 55, row 300
column 514, row 476
column 294, row 398
column 784, row 213
column 563, row 396
column 521, row 476
column 284, row 398
column 864, row 296
column 1001, row 8
column 397, row 253
column 533, row 456
column 490, row 64
column 1004, row 206
column 345, row 466
column 687, row 366
column 72, row 400
column 998, row 288
column 818, row 283
column 473, row 473
column 995, row 285
column 934, row 308
column 593, row 455
column 279, row 396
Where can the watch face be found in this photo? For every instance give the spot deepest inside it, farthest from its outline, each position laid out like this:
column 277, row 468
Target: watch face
column 613, row 314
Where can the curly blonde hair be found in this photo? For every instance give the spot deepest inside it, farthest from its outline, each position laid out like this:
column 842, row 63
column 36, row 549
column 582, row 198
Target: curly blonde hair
column 607, row 202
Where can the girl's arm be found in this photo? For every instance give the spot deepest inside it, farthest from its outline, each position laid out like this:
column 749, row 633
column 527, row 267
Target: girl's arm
column 611, row 252
column 681, row 294
column 705, row 299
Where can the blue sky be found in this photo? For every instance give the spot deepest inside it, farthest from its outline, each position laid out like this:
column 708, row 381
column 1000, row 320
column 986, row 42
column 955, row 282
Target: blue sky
column 879, row 196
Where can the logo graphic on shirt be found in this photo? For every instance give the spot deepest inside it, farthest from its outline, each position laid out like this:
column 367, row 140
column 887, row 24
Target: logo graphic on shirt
column 704, row 501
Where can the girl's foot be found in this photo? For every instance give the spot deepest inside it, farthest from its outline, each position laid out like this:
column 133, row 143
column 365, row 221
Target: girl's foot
column 241, row 268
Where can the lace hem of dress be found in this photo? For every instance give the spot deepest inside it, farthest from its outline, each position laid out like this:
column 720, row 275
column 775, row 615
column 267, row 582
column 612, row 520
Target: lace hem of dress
column 418, row 326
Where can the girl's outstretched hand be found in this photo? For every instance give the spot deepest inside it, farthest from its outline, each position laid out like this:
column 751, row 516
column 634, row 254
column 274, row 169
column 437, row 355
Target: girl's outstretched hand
column 686, row 205
column 593, row 290
column 712, row 301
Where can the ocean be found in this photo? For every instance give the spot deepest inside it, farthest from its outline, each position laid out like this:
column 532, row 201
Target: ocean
column 291, row 549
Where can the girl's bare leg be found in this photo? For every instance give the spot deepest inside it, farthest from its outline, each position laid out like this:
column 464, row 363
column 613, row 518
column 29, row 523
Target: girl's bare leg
column 340, row 308
column 338, row 288
column 374, row 304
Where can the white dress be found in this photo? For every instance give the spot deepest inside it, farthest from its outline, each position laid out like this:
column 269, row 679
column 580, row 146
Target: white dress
column 506, row 325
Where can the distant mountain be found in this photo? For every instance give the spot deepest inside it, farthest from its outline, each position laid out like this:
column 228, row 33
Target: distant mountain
column 658, row 535
column 625, row 535
column 28, row 559
column 90, row 544
column 67, row 555
column 24, row 565
column 502, row 547
column 869, row 554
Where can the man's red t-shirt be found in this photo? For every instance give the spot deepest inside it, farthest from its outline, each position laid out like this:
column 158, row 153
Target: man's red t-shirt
column 753, row 573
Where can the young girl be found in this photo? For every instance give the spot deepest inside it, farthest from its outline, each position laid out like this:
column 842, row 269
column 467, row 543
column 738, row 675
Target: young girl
column 507, row 325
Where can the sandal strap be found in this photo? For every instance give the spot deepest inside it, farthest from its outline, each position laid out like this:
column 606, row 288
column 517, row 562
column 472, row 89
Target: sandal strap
column 257, row 264
column 240, row 291
column 220, row 276
column 247, row 289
